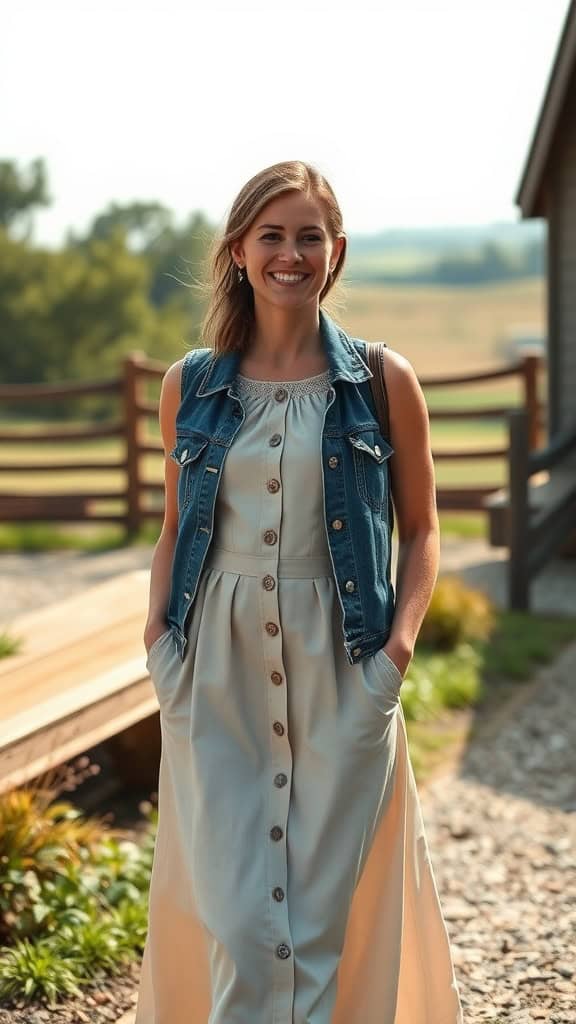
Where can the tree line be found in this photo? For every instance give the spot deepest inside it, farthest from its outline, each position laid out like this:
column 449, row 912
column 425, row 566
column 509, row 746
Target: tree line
column 129, row 282
column 125, row 283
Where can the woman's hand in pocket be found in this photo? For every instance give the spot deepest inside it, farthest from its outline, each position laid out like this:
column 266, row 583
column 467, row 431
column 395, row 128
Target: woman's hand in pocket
column 153, row 632
column 399, row 656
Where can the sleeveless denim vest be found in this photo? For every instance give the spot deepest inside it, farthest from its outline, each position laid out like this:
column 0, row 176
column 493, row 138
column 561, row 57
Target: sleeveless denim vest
column 356, row 484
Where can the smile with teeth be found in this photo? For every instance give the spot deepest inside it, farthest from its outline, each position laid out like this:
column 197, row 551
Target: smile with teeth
column 288, row 279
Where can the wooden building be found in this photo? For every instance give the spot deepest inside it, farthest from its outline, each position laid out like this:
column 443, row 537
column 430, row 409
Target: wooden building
column 542, row 516
column 548, row 190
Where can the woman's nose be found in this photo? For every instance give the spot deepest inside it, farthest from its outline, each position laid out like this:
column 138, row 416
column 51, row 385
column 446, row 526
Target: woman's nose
column 291, row 253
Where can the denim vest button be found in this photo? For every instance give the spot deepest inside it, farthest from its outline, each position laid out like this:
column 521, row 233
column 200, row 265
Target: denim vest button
column 276, row 678
column 357, row 651
column 275, row 440
column 278, row 894
column 283, row 951
column 270, row 537
column 183, row 455
column 276, row 833
column 333, row 461
column 337, row 524
column 268, row 582
column 350, row 586
column 280, row 780
column 278, row 728
column 273, row 485
column 186, row 595
column 271, row 628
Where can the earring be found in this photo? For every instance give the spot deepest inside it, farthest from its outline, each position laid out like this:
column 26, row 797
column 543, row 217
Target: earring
column 240, row 274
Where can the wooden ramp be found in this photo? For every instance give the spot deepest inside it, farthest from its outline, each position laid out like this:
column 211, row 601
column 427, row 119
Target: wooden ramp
column 80, row 679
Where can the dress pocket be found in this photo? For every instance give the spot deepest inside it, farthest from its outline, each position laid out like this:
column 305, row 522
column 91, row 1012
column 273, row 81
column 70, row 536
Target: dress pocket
column 157, row 643
column 158, row 661
column 382, row 681
column 390, row 665
column 370, row 456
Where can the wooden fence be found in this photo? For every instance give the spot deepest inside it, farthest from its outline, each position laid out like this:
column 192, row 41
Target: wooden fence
column 541, row 517
column 141, row 499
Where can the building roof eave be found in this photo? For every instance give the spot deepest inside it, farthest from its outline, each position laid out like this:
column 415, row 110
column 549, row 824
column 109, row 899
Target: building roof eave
column 530, row 194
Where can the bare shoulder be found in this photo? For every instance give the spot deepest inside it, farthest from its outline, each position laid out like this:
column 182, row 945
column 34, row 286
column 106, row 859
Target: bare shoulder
column 398, row 369
column 169, row 403
column 405, row 396
column 173, row 375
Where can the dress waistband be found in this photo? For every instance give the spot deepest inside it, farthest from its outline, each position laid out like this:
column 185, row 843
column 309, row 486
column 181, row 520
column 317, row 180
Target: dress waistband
column 256, row 565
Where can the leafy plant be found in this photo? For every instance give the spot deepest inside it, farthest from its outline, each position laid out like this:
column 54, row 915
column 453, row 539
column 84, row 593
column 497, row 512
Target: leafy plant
column 9, row 644
column 437, row 680
column 34, row 971
column 73, row 893
column 456, row 614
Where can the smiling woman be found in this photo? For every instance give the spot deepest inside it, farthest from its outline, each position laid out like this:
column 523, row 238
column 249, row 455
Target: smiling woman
column 291, row 882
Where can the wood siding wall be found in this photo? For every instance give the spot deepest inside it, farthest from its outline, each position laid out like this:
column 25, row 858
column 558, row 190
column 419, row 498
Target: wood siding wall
column 562, row 269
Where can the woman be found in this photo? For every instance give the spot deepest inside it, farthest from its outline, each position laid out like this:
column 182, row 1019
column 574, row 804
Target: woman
column 291, row 881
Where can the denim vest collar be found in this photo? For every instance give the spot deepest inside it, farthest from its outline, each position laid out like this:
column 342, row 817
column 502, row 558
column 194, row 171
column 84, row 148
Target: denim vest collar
column 345, row 363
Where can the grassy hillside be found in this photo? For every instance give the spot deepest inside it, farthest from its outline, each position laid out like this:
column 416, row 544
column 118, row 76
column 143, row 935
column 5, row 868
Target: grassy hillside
column 443, row 330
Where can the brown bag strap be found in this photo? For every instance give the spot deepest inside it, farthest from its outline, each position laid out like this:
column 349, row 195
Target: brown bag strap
column 376, row 361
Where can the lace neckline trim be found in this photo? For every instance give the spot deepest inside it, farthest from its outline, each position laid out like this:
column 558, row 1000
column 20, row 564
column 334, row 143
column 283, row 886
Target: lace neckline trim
column 315, row 384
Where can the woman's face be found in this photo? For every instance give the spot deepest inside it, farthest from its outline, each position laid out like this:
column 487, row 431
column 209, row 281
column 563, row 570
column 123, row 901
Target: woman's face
column 289, row 236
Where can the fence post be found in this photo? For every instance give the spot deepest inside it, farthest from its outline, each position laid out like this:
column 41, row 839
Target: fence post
column 530, row 372
column 518, row 468
column 132, row 438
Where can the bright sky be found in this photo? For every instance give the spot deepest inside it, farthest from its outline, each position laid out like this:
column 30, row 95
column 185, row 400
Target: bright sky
column 420, row 112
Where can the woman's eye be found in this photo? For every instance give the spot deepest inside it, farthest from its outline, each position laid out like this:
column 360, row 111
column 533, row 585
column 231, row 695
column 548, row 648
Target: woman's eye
column 309, row 238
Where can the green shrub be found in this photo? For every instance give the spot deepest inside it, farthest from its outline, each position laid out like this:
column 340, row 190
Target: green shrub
column 456, row 614
column 73, row 893
column 9, row 644
column 36, row 971
column 436, row 680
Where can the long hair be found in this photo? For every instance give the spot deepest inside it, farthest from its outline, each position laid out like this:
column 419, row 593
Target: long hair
column 229, row 319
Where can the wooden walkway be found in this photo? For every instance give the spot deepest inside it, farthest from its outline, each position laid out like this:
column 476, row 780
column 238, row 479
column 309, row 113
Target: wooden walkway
column 81, row 677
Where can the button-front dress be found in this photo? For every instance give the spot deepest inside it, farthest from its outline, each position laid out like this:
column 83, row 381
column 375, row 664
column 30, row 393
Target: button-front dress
column 291, row 881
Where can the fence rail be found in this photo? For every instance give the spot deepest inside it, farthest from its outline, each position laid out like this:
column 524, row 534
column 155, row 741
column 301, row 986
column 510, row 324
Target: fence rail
column 136, row 495
column 542, row 517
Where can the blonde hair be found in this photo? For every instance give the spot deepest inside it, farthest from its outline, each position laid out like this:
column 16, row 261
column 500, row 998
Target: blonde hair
column 229, row 319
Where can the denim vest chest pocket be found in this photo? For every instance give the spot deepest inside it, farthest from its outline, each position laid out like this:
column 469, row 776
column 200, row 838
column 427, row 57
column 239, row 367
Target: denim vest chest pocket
column 186, row 453
column 370, row 456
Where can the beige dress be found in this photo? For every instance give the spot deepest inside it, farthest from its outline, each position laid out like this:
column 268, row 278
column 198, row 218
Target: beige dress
column 291, row 881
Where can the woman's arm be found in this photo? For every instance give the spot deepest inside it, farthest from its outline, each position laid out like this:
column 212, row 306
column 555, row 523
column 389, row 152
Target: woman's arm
column 161, row 567
column 414, row 496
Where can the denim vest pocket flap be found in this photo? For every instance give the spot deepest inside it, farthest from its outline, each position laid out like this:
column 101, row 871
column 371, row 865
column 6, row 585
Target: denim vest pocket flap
column 370, row 453
column 373, row 444
column 187, row 449
column 186, row 453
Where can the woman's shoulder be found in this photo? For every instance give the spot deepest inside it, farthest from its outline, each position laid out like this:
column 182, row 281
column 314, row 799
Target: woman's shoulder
column 179, row 373
column 394, row 362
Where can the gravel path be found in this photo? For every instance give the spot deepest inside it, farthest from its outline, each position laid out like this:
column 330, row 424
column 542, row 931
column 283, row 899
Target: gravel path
column 501, row 829
column 502, row 833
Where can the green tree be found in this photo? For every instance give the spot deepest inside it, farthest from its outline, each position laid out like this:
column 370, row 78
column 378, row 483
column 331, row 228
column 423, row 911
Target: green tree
column 141, row 222
column 21, row 192
column 73, row 313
